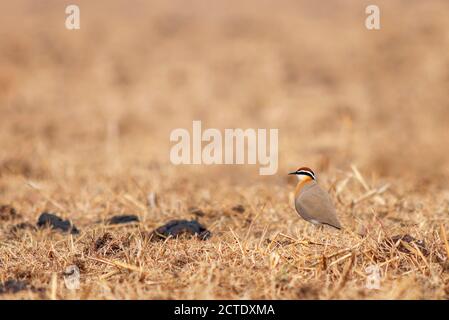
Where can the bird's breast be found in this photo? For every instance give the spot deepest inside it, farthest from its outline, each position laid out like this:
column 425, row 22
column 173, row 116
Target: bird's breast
column 300, row 186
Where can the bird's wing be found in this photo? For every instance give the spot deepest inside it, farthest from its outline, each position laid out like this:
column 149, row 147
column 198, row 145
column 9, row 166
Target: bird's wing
column 315, row 204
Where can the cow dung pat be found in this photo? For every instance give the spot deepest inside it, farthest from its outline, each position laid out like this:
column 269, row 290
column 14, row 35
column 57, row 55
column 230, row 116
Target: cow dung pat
column 123, row 219
column 102, row 241
column 176, row 228
column 55, row 222
column 238, row 208
column 408, row 239
column 13, row 286
column 8, row 212
column 22, row 226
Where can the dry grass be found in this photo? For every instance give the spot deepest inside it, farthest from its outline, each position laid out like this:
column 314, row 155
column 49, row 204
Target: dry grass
column 84, row 132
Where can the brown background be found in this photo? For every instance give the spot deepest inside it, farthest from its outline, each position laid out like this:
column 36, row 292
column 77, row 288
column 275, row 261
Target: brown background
column 85, row 117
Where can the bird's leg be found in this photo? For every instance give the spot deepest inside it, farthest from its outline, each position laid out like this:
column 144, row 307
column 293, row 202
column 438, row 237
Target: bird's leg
column 320, row 230
column 321, row 227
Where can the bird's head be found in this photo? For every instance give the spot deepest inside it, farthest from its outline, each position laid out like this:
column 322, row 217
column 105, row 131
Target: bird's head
column 304, row 173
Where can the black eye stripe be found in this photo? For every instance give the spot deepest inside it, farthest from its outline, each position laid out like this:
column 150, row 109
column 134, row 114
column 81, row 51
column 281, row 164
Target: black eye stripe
column 306, row 173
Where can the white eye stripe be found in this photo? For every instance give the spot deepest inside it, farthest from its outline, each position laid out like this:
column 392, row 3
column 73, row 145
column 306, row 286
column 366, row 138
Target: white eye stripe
column 308, row 173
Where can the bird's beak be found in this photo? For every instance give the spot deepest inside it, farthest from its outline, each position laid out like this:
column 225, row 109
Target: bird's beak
column 294, row 172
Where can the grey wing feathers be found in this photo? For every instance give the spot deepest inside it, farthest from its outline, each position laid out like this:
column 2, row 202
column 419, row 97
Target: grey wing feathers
column 315, row 204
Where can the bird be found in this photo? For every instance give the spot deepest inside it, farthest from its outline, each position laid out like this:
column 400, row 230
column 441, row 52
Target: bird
column 312, row 203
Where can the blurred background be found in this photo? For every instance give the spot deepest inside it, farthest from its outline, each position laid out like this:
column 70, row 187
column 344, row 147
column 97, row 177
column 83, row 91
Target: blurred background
column 86, row 116
column 103, row 100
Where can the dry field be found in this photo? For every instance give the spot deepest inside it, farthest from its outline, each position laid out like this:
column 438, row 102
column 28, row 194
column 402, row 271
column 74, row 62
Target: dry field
column 85, row 118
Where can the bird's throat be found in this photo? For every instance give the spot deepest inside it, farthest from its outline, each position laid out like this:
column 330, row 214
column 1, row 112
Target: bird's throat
column 301, row 184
